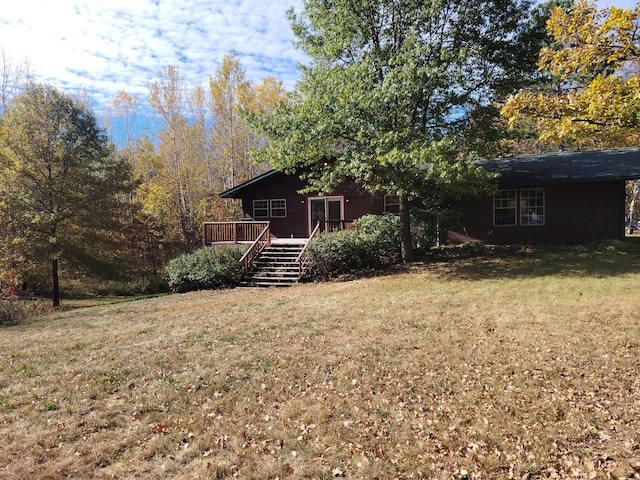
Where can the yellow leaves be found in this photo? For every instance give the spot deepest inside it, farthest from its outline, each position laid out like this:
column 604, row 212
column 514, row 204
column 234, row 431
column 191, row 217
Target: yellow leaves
column 607, row 108
column 268, row 95
column 155, row 200
column 594, row 101
column 620, row 20
column 589, row 39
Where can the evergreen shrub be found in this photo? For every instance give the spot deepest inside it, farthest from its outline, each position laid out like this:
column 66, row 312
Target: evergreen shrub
column 207, row 268
column 374, row 242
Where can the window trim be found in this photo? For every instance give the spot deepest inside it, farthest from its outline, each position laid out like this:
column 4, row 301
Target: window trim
column 283, row 208
column 265, row 208
column 523, row 214
column 519, row 209
column 514, row 208
column 389, row 204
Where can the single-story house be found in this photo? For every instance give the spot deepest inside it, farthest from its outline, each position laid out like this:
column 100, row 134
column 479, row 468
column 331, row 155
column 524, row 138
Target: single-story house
column 556, row 198
column 273, row 196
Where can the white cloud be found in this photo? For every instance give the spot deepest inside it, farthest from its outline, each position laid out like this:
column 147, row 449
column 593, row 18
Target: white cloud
column 105, row 47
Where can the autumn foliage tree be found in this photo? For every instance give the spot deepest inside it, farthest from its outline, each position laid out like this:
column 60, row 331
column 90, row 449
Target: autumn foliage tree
column 182, row 168
column 203, row 145
column 593, row 99
column 233, row 140
column 59, row 180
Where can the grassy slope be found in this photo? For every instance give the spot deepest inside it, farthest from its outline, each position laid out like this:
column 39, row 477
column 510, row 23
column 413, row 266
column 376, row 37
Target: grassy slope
column 478, row 368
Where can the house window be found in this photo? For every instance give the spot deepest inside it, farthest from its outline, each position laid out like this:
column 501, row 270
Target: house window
column 392, row 204
column 532, row 206
column 279, row 208
column 504, row 208
column 260, row 208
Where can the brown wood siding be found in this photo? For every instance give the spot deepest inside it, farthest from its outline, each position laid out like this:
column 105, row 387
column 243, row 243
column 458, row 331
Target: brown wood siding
column 276, row 187
column 575, row 213
column 295, row 224
column 359, row 203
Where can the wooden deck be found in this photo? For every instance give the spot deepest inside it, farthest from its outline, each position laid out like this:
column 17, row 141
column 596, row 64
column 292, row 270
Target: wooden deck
column 216, row 233
column 258, row 237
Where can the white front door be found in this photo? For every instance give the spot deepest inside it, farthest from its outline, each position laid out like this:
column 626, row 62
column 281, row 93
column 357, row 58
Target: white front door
column 329, row 211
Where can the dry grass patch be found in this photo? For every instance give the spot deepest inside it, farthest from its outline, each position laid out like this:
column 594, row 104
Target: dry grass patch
column 480, row 368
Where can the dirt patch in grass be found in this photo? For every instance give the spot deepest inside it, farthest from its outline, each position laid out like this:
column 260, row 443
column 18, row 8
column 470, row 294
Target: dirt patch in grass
column 471, row 368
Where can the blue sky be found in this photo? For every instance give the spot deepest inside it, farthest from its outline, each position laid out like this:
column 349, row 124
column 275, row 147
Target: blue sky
column 112, row 45
column 105, row 46
column 617, row 3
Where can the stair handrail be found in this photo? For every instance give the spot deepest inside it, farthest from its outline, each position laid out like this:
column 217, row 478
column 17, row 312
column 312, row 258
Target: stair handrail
column 302, row 257
column 263, row 240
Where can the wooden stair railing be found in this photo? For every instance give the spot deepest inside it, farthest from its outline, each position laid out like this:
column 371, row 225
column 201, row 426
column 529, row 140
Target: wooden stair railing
column 263, row 240
column 302, row 258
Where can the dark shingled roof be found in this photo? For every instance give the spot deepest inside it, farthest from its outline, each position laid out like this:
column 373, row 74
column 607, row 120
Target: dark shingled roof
column 538, row 170
column 566, row 167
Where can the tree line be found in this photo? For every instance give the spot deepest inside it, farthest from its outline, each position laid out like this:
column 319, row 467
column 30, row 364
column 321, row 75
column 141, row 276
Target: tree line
column 398, row 96
column 71, row 197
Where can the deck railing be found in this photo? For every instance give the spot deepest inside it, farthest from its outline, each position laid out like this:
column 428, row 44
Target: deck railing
column 232, row 232
column 302, row 257
column 335, row 225
column 263, row 240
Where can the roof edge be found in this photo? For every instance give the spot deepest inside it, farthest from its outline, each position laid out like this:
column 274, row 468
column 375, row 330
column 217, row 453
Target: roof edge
column 232, row 192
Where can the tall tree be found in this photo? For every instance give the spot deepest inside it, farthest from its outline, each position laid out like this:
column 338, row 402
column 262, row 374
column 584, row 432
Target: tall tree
column 228, row 87
column 389, row 84
column 152, row 232
column 233, row 140
column 487, row 134
column 59, row 178
column 183, row 168
column 13, row 77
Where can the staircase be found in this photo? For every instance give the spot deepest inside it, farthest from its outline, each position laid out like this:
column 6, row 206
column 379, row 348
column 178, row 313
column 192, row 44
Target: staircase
column 276, row 266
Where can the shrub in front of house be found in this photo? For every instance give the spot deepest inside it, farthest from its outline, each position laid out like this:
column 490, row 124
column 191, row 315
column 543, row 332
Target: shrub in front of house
column 382, row 234
column 374, row 242
column 205, row 269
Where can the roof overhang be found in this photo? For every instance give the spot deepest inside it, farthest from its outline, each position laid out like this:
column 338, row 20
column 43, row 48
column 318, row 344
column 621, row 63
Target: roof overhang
column 236, row 191
column 566, row 167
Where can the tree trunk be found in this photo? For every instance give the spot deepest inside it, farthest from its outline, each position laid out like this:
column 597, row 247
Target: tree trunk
column 406, row 245
column 55, row 284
